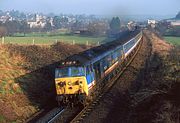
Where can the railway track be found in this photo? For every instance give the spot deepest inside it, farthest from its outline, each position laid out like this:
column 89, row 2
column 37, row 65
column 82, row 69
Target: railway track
column 88, row 109
column 49, row 117
column 75, row 115
column 59, row 115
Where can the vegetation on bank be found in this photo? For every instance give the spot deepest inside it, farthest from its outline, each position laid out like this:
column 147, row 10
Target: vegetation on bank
column 27, row 78
column 157, row 99
column 173, row 40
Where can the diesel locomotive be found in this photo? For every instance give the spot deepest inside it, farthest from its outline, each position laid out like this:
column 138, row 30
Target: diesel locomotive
column 76, row 76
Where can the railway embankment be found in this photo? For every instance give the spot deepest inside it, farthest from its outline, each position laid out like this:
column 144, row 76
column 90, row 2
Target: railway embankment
column 148, row 91
column 27, row 78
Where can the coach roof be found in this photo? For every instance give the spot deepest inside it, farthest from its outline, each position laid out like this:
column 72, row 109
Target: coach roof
column 94, row 54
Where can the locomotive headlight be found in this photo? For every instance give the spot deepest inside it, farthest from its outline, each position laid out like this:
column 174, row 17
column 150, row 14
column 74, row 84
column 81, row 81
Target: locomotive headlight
column 80, row 84
column 69, row 83
column 61, row 84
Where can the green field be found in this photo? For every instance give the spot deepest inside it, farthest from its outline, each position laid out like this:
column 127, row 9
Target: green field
column 173, row 40
column 53, row 39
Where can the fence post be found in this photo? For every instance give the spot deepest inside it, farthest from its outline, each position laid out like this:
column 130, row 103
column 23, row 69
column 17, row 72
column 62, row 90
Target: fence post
column 98, row 42
column 56, row 41
column 87, row 43
column 33, row 42
column 2, row 40
column 73, row 42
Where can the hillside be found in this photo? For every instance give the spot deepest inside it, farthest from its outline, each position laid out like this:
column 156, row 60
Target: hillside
column 157, row 98
column 27, row 78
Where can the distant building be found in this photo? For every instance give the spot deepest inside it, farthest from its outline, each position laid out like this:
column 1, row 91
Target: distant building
column 38, row 23
column 5, row 18
column 152, row 23
column 131, row 25
column 51, row 21
column 175, row 23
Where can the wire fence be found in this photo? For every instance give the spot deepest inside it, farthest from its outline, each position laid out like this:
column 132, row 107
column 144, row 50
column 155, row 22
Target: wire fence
column 50, row 42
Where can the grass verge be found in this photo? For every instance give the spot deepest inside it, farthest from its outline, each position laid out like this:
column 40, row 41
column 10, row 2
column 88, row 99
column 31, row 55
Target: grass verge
column 53, row 39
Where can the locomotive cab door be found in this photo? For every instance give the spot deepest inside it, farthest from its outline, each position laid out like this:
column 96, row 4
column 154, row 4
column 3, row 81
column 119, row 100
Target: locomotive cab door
column 89, row 74
column 97, row 68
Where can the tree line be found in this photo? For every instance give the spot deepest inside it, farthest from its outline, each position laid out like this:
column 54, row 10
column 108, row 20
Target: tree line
column 97, row 28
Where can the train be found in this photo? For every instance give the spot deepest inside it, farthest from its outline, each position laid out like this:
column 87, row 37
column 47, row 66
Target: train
column 78, row 75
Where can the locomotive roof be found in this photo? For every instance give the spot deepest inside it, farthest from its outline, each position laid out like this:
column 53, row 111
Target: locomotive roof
column 94, row 54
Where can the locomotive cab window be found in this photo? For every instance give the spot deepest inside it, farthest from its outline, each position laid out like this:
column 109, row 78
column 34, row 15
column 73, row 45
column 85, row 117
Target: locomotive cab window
column 77, row 71
column 69, row 72
column 63, row 72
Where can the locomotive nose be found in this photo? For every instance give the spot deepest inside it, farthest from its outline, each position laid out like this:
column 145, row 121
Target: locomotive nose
column 71, row 85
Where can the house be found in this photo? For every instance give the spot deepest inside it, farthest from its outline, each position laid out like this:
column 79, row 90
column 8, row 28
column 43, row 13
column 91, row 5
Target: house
column 152, row 23
column 39, row 22
column 175, row 23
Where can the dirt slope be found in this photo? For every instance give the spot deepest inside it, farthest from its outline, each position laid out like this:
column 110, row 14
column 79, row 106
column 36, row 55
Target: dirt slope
column 27, row 78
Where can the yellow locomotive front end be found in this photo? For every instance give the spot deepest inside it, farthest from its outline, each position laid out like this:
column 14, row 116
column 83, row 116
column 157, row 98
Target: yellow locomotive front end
column 71, row 84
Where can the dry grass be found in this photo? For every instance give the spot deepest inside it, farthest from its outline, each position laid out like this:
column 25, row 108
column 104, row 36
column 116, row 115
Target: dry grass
column 11, row 67
column 158, row 44
column 27, row 78
column 157, row 100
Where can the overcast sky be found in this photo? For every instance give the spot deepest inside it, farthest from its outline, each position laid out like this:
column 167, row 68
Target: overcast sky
column 98, row 7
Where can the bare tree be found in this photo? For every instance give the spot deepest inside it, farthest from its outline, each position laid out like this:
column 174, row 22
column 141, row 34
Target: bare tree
column 3, row 31
column 97, row 28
